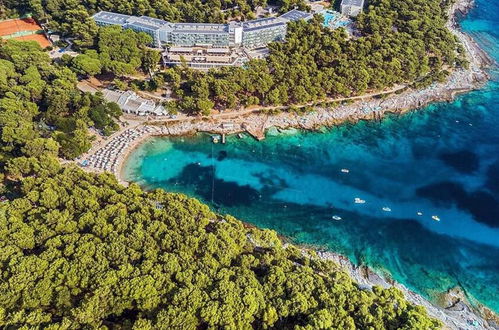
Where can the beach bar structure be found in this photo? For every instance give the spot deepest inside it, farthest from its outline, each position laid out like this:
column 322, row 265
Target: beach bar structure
column 133, row 104
column 351, row 8
column 250, row 34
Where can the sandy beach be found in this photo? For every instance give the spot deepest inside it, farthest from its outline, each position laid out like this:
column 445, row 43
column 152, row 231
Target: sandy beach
column 110, row 154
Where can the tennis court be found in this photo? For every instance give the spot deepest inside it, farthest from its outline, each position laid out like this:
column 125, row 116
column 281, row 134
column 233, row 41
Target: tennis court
column 40, row 38
column 23, row 29
column 14, row 26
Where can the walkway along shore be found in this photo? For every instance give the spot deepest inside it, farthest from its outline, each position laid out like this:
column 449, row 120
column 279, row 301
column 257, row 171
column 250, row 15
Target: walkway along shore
column 110, row 154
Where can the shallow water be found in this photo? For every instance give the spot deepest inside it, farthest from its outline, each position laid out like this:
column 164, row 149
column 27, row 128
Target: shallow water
column 442, row 160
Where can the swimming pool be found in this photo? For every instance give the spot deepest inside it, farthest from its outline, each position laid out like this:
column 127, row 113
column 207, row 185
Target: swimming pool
column 333, row 19
column 329, row 17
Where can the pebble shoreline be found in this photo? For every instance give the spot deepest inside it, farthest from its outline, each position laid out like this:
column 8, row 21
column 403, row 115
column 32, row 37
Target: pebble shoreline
column 111, row 155
column 456, row 316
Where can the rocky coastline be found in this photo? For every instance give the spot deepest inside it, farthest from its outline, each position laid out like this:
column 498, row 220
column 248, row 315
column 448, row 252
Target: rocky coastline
column 454, row 308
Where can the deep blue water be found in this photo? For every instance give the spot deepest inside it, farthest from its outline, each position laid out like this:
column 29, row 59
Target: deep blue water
column 441, row 160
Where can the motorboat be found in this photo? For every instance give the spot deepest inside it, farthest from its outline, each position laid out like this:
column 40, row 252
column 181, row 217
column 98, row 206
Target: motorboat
column 420, row 213
column 358, row 200
column 336, row 217
column 435, row 217
column 345, row 170
column 386, row 209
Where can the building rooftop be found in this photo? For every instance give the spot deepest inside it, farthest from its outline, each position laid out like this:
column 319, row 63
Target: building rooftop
column 181, row 49
column 152, row 20
column 148, row 23
column 218, row 50
column 111, row 18
column 154, row 23
column 274, row 24
column 142, row 25
column 259, row 22
column 358, row 3
column 200, row 27
column 295, row 15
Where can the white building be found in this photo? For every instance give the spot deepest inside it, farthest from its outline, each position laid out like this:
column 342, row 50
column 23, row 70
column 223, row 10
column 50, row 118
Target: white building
column 204, row 58
column 152, row 26
column 249, row 34
column 133, row 104
column 352, row 8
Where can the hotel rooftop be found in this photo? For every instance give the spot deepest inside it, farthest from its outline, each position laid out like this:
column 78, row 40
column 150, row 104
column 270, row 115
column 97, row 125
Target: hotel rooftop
column 295, row 15
column 358, row 3
column 111, row 18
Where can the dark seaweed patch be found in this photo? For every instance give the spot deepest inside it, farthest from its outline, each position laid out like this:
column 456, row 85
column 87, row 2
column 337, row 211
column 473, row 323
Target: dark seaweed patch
column 211, row 188
column 222, row 155
column 493, row 178
column 463, row 161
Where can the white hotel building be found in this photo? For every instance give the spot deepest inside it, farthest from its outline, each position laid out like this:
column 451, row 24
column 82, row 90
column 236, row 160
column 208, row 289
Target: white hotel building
column 250, row 34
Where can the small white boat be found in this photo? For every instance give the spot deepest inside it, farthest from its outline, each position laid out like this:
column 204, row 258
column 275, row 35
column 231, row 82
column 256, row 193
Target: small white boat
column 336, row 217
column 386, row 209
column 435, row 217
column 358, row 200
column 420, row 213
column 345, row 170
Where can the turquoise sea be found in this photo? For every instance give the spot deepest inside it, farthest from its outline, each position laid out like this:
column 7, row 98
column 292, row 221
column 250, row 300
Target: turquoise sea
column 441, row 160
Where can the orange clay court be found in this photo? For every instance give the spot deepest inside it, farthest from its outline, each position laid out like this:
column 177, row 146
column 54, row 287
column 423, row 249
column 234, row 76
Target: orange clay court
column 25, row 29
column 40, row 38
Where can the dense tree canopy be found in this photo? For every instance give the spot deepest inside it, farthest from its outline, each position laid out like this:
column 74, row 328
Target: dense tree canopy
column 40, row 99
column 80, row 250
column 116, row 51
